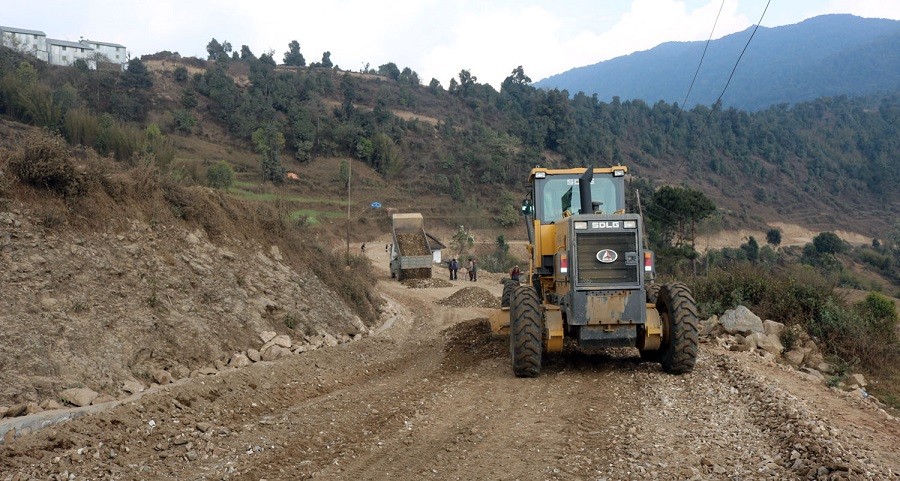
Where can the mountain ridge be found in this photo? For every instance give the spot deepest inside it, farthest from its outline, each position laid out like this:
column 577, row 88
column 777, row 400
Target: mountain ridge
column 827, row 55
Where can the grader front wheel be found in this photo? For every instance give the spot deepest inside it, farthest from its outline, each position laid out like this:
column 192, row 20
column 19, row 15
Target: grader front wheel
column 678, row 313
column 525, row 332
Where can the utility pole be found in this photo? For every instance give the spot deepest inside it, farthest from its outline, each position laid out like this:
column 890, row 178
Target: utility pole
column 349, row 174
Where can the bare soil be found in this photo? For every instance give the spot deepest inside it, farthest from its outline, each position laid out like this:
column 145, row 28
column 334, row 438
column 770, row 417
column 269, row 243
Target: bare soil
column 432, row 396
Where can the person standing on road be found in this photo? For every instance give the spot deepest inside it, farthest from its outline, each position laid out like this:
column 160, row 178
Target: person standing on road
column 473, row 270
column 515, row 273
column 454, row 269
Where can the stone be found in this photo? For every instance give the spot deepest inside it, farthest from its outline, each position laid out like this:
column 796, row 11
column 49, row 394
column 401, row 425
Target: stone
column 253, row 355
column 769, row 343
column 739, row 348
column 357, row 337
column 283, row 341
column 208, row 370
column 772, row 328
column 79, row 396
column 32, row 408
column 794, row 357
column 3, row 411
column 267, row 336
column 276, row 253
column 204, row 426
column 192, row 238
column 274, row 352
column 825, row 368
column 220, row 365
column 858, row 379
column 708, row 326
column 17, row 410
column 103, row 398
column 9, row 436
column 239, row 360
column 812, row 372
column 813, row 359
column 50, row 405
column 330, row 340
column 741, row 321
column 161, row 376
column 132, row 387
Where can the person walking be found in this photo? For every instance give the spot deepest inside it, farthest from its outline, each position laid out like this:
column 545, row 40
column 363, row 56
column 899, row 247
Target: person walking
column 454, row 269
column 473, row 270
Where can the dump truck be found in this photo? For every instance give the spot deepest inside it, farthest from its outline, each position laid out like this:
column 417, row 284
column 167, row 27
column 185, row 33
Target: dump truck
column 590, row 278
column 411, row 256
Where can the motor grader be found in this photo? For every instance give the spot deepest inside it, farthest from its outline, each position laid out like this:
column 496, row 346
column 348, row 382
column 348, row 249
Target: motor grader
column 589, row 279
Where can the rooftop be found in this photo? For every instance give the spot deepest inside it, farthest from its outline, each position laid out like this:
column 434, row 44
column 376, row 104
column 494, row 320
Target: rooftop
column 108, row 44
column 22, row 30
column 66, row 43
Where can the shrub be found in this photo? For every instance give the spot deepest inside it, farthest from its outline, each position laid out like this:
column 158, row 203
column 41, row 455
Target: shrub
column 43, row 161
column 220, row 175
column 180, row 74
column 183, row 120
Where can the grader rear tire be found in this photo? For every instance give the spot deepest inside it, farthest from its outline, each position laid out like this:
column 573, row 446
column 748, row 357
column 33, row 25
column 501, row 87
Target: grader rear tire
column 525, row 332
column 678, row 313
column 509, row 286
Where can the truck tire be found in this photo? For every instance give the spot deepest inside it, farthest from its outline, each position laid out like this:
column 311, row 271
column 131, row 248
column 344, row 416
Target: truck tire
column 678, row 313
column 509, row 286
column 525, row 332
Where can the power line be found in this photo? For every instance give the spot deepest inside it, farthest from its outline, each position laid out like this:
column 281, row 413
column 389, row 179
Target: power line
column 744, row 50
column 705, row 48
column 733, row 70
column 672, row 125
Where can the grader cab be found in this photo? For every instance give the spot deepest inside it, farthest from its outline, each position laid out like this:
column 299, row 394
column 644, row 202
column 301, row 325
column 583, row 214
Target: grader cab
column 589, row 278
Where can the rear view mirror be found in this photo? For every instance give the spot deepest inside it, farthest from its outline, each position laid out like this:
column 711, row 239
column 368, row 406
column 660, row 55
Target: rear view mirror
column 527, row 208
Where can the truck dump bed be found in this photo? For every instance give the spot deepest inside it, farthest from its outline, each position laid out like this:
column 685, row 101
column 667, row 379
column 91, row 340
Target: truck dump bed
column 412, row 257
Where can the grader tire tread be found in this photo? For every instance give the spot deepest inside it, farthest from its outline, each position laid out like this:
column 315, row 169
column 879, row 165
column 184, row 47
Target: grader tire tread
column 508, row 287
column 652, row 292
column 525, row 332
column 680, row 355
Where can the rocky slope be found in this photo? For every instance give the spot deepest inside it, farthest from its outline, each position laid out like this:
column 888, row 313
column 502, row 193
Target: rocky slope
column 97, row 309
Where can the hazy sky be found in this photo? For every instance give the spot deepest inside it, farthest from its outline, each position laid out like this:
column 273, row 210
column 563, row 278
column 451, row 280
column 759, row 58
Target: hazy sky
column 435, row 38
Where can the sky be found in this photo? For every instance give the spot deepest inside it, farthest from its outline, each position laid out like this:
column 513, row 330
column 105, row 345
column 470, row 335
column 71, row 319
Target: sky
column 435, row 38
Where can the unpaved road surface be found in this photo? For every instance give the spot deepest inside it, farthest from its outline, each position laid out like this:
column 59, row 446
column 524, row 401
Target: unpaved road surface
column 432, row 396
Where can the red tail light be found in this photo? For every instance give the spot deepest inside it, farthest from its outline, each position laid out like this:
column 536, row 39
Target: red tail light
column 648, row 262
column 563, row 264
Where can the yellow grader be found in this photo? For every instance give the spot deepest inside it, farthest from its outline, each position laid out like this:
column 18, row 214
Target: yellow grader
column 590, row 277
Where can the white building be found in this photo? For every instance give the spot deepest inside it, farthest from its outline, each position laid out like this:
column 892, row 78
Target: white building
column 113, row 52
column 33, row 42
column 64, row 52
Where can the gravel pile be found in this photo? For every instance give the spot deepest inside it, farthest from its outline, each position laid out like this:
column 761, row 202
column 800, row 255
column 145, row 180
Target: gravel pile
column 471, row 297
column 426, row 283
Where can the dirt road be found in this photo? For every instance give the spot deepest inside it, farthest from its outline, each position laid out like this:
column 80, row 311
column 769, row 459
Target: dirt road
column 432, row 396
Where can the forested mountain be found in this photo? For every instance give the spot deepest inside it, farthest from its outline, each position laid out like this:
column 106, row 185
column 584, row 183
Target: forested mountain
column 823, row 56
column 468, row 148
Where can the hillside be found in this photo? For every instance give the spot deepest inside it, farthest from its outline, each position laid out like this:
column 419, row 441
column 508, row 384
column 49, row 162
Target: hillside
column 467, row 147
column 829, row 55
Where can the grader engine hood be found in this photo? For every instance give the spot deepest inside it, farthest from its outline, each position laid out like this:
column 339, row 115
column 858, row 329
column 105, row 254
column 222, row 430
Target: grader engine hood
column 605, row 274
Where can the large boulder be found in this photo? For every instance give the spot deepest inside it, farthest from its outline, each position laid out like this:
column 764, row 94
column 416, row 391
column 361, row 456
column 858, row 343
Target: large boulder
column 79, row 396
column 766, row 343
column 741, row 321
column 772, row 328
column 239, row 360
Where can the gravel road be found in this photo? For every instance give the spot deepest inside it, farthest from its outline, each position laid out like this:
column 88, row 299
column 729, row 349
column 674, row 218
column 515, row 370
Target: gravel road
column 432, row 396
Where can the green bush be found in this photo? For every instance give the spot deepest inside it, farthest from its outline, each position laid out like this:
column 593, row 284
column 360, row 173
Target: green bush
column 220, row 175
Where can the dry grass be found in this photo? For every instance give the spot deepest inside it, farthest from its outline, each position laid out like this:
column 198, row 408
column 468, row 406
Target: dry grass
column 111, row 193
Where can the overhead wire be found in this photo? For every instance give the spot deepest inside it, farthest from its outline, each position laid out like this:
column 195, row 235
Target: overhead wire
column 731, row 76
